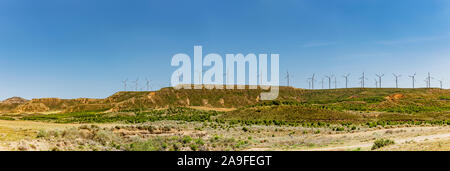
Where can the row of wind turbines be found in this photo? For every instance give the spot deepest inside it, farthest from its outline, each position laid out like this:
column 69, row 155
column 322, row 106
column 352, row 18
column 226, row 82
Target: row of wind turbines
column 332, row 79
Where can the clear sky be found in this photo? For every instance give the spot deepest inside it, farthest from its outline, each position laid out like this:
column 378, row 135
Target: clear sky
column 85, row 48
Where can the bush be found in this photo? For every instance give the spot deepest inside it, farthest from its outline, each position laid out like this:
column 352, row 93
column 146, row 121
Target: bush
column 106, row 137
column 382, row 143
column 149, row 145
column 6, row 118
column 178, row 114
column 186, row 139
column 42, row 134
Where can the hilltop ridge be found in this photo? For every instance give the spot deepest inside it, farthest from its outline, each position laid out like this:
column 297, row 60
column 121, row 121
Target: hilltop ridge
column 367, row 98
column 15, row 100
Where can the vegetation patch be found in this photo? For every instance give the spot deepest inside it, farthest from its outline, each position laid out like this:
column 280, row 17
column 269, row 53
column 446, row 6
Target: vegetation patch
column 177, row 113
column 381, row 143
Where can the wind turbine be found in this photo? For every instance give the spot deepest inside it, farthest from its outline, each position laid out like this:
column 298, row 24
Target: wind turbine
column 335, row 83
column 147, row 83
column 440, row 82
column 125, row 84
column 287, row 78
column 363, row 79
column 312, row 80
column 379, row 77
column 309, row 83
column 136, row 83
column 329, row 80
column 428, row 80
column 413, row 78
column 396, row 79
column 346, row 80
column 322, row 82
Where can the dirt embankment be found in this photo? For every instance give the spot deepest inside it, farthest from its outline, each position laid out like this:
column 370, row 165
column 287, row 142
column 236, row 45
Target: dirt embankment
column 31, row 107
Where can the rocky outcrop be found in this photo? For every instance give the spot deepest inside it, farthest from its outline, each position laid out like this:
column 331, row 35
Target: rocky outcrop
column 15, row 100
column 87, row 101
column 32, row 107
column 47, row 100
column 394, row 97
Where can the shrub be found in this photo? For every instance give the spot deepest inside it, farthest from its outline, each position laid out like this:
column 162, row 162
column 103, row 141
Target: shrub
column 106, row 137
column 199, row 141
column 382, row 143
column 194, row 147
column 149, row 145
column 6, row 118
column 444, row 98
column 42, row 134
column 186, row 139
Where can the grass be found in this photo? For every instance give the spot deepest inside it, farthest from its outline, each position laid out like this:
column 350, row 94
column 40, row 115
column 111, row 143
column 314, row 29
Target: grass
column 295, row 113
column 6, row 118
column 266, row 113
column 183, row 136
column 178, row 113
column 92, row 138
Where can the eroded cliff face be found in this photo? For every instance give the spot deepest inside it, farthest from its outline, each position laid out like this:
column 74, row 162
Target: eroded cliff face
column 134, row 100
column 21, row 105
column 31, row 108
column 15, row 100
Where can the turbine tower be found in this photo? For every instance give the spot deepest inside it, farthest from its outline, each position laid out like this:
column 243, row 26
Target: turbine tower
column 322, row 82
column 329, row 80
column 287, row 78
column 346, row 80
column 312, row 81
column 147, row 83
column 396, row 79
column 309, row 83
column 125, row 84
column 376, row 83
column 136, row 83
column 428, row 80
column 413, row 78
column 335, row 83
column 379, row 78
column 363, row 79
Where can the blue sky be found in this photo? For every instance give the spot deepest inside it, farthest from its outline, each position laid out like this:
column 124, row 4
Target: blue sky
column 85, row 48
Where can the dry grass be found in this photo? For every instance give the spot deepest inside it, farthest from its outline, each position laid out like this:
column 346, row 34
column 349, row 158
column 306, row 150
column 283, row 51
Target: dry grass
column 22, row 135
column 212, row 108
column 428, row 145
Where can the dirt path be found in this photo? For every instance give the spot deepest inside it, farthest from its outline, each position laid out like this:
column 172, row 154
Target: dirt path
column 397, row 141
column 363, row 140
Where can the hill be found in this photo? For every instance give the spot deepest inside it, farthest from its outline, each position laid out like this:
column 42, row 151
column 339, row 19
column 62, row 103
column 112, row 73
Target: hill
column 13, row 100
column 354, row 99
